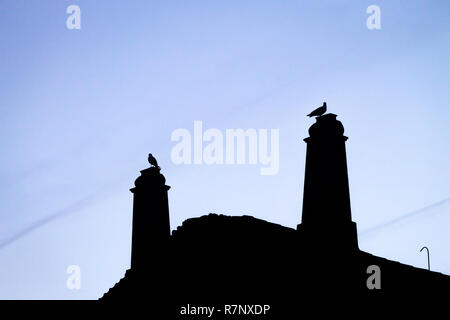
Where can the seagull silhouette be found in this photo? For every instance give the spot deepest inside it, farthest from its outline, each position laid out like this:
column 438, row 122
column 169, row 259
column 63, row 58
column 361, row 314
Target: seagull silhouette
column 319, row 111
column 152, row 160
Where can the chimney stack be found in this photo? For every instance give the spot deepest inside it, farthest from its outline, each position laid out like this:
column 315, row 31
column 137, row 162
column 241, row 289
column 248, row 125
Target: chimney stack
column 326, row 216
column 151, row 226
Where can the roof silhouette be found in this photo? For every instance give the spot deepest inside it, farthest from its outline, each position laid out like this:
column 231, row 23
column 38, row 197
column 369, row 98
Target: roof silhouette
column 217, row 258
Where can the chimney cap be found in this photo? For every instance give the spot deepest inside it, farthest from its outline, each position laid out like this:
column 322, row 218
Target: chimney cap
column 326, row 126
column 150, row 177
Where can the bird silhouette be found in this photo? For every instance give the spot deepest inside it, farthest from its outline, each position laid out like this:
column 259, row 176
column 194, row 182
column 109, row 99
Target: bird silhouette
column 152, row 160
column 319, row 111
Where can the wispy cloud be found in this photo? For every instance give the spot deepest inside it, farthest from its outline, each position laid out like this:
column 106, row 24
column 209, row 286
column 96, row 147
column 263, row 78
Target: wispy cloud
column 79, row 205
column 403, row 217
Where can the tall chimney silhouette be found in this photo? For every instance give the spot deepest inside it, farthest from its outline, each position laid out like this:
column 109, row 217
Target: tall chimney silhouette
column 326, row 216
column 151, row 226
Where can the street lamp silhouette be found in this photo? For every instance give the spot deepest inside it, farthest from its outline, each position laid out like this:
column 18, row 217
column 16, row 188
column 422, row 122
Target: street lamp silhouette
column 428, row 256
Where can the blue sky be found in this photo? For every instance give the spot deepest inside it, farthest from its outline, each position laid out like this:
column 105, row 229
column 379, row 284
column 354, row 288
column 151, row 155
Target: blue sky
column 80, row 110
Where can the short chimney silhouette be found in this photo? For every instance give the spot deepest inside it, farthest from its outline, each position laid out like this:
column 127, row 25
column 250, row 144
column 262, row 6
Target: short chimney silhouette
column 151, row 226
column 326, row 216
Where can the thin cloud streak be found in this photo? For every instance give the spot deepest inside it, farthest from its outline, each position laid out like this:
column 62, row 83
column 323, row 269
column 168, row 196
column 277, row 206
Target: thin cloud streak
column 406, row 216
column 73, row 208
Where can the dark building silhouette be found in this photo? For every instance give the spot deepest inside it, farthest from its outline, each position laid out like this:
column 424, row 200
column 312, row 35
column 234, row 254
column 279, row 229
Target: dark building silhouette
column 217, row 259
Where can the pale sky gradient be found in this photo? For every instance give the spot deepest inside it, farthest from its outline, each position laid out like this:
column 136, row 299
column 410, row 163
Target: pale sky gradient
column 80, row 110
